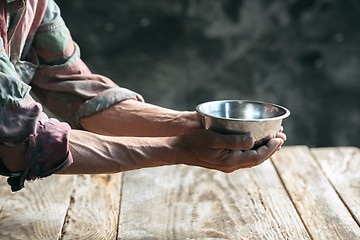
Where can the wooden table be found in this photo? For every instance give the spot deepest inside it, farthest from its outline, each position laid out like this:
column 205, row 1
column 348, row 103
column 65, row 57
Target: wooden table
column 300, row 193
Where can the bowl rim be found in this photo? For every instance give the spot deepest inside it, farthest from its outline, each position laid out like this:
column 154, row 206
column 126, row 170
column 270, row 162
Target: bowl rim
column 285, row 115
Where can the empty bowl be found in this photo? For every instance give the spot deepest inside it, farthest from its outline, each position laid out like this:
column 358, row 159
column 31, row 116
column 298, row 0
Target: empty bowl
column 259, row 120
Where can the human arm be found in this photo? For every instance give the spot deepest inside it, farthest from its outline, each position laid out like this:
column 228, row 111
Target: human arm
column 62, row 83
column 71, row 91
column 93, row 153
column 135, row 118
column 21, row 135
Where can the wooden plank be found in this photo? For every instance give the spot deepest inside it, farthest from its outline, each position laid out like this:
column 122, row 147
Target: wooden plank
column 321, row 209
column 342, row 166
column 94, row 210
column 181, row 202
column 37, row 211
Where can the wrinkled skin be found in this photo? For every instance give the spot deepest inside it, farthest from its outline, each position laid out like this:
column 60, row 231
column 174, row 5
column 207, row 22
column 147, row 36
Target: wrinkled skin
column 133, row 135
column 227, row 153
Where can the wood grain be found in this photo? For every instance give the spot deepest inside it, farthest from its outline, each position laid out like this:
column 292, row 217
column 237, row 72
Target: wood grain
column 315, row 195
column 37, row 211
column 94, row 211
column 320, row 207
column 180, row 202
column 341, row 166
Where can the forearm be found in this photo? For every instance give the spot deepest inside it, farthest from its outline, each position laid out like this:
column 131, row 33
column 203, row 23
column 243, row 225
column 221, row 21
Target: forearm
column 93, row 153
column 134, row 118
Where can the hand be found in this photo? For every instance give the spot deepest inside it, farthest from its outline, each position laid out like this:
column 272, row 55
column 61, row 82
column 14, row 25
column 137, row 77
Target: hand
column 225, row 153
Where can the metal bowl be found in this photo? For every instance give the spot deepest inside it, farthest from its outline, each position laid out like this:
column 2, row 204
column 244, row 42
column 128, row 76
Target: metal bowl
column 260, row 120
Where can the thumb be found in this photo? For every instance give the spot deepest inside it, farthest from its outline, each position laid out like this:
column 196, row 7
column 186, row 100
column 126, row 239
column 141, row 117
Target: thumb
column 234, row 142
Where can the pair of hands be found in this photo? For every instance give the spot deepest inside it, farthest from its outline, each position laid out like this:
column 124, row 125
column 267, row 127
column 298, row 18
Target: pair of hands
column 226, row 153
column 197, row 147
column 190, row 143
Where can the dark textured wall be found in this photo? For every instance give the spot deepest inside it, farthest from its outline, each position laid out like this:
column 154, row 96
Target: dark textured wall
column 302, row 54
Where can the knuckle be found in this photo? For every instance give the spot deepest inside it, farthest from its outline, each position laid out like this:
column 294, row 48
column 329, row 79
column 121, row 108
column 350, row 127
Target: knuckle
column 234, row 142
column 237, row 142
column 258, row 161
column 253, row 159
column 230, row 166
column 242, row 142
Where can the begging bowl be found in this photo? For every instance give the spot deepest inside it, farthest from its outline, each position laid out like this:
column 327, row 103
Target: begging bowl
column 259, row 120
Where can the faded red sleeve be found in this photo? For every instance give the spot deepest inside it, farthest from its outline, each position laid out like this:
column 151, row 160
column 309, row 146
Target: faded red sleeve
column 47, row 152
column 63, row 83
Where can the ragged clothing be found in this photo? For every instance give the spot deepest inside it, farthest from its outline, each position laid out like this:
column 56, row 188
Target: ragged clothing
column 38, row 56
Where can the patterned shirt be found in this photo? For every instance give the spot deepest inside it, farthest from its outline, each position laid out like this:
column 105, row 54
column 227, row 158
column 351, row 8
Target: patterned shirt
column 41, row 58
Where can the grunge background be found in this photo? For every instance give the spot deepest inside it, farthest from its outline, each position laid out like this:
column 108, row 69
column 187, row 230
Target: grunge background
column 302, row 54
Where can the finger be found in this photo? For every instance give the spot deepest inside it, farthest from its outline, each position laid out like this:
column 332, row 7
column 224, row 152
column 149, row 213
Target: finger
column 233, row 142
column 252, row 158
column 266, row 151
column 278, row 149
column 270, row 148
column 281, row 129
column 281, row 135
